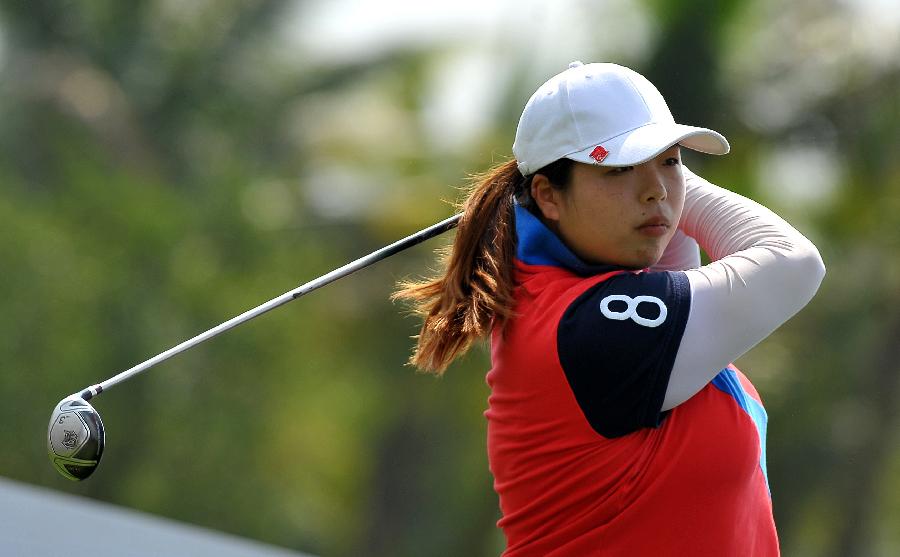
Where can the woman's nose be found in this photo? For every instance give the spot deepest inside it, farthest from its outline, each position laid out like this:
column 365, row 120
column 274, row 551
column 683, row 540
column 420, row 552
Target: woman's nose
column 653, row 186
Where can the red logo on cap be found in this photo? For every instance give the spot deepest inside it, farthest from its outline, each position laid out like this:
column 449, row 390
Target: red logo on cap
column 599, row 153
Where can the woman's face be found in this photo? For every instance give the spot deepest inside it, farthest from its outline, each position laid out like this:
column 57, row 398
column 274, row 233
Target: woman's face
column 621, row 216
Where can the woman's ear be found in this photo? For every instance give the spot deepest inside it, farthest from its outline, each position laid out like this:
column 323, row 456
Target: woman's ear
column 546, row 196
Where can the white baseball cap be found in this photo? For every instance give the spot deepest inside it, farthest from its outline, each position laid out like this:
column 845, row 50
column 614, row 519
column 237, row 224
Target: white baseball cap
column 602, row 114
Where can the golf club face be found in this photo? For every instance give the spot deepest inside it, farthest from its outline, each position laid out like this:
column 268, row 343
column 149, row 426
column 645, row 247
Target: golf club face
column 75, row 438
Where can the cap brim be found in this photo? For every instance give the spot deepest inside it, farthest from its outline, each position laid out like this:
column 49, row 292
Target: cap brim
column 643, row 143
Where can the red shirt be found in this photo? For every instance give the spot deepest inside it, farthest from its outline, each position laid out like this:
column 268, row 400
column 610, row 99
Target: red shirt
column 690, row 481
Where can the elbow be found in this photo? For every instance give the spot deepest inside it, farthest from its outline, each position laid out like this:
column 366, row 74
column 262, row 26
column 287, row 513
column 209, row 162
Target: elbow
column 810, row 271
column 816, row 265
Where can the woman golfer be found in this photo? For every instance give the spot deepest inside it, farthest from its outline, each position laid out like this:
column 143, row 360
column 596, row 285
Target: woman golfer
column 617, row 424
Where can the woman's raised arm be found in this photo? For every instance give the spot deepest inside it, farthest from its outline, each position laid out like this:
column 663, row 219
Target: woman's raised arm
column 763, row 271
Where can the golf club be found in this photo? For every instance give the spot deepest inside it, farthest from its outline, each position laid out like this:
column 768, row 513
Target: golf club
column 75, row 436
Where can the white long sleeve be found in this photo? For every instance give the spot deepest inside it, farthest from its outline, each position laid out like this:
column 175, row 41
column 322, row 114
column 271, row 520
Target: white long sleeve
column 763, row 271
column 681, row 254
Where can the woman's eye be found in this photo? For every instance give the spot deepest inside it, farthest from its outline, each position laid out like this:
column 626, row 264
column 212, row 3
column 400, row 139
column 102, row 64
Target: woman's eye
column 673, row 161
column 619, row 169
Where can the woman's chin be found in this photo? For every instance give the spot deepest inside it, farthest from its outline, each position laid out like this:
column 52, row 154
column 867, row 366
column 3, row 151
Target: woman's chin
column 645, row 260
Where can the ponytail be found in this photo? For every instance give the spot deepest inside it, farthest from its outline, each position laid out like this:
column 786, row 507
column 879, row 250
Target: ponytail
column 475, row 291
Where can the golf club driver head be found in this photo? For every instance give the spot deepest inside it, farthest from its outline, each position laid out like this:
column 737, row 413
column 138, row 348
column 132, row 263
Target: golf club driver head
column 75, row 438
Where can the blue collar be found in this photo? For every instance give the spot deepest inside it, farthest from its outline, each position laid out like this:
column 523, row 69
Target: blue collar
column 538, row 245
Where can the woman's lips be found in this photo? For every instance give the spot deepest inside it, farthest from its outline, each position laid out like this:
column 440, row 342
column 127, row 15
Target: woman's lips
column 655, row 227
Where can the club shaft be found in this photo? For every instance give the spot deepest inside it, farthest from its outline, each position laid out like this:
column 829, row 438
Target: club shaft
column 352, row 267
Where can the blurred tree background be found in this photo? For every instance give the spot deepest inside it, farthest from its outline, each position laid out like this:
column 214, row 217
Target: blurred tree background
column 166, row 165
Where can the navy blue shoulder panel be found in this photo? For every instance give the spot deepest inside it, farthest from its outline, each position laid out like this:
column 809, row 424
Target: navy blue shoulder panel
column 617, row 343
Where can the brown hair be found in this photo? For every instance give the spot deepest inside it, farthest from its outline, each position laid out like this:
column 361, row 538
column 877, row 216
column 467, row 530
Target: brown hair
column 475, row 291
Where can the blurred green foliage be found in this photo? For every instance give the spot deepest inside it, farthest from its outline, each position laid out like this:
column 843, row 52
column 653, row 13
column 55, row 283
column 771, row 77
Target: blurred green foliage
column 165, row 166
